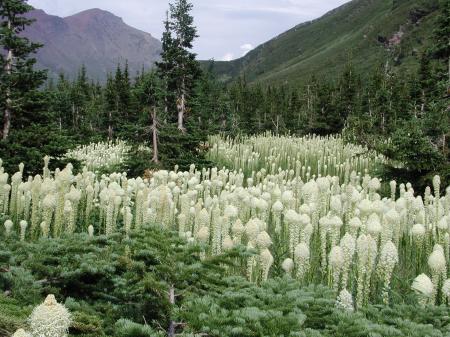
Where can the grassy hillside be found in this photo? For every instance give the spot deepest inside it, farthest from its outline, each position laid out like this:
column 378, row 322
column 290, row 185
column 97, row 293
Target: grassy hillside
column 368, row 32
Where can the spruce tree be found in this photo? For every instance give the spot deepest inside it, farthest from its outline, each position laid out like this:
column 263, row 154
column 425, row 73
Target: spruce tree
column 79, row 94
column 437, row 119
column 149, row 95
column 165, row 68
column 17, row 76
column 348, row 84
column 125, row 92
column 441, row 49
column 60, row 101
column 118, row 83
column 185, row 66
column 110, row 103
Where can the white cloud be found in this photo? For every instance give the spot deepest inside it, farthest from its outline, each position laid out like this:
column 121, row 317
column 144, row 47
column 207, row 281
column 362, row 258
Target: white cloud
column 228, row 57
column 246, row 48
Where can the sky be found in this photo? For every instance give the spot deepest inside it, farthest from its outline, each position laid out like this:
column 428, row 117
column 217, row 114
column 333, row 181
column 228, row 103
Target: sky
column 227, row 29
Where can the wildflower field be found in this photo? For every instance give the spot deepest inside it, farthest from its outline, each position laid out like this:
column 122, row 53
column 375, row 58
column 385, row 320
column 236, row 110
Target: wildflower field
column 303, row 214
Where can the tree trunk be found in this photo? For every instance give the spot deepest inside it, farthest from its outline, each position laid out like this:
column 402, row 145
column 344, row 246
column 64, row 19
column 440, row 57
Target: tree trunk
column 8, row 105
column 171, row 332
column 224, row 121
column 309, row 108
column 166, row 103
column 444, row 145
column 180, row 113
column 181, row 105
column 73, row 115
column 422, row 106
column 7, row 115
column 277, row 125
column 155, row 158
column 110, row 129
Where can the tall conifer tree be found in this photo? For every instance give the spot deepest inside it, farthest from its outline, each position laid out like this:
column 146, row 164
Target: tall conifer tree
column 110, row 103
column 166, row 66
column 178, row 65
column 17, row 76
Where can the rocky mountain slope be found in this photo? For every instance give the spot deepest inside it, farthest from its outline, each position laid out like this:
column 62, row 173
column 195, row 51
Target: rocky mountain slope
column 95, row 38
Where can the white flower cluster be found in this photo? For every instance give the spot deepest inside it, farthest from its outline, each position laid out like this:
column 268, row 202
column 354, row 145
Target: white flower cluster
column 446, row 290
column 49, row 319
column 307, row 156
column 345, row 301
column 51, row 205
column 21, row 333
column 102, row 155
column 423, row 286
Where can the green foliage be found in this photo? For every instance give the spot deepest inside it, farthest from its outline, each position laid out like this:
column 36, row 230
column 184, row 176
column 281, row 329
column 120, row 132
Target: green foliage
column 106, row 279
column 19, row 82
column 13, row 315
column 85, row 324
column 321, row 47
column 31, row 144
column 211, row 105
column 178, row 69
column 244, row 309
column 182, row 149
column 22, row 285
column 441, row 49
column 281, row 307
column 411, row 147
column 137, row 161
column 118, row 287
column 126, row 328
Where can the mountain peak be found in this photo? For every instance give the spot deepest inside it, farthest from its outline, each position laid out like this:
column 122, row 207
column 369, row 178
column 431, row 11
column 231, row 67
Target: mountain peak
column 96, row 38
column 94, row 14
column 37, row 11
column 95, row 10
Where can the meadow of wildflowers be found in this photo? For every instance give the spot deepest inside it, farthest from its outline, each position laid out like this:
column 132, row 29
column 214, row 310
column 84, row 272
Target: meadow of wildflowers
column 292, row 217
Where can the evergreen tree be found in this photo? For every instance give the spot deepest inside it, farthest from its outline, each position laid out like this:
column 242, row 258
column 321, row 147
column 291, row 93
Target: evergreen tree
column 80, row 91
column 427, row 81
column 348, row 85
column 310, row 99
column 94, row 107
column 293, row 109
column 60, row 101
column 440, row 110
column 186, row 68
column 110, row 103
column 441, row 47
column 18, row 79
column 149, row 93
column 242, row 107
column 125, row 94
column 123, row 90
column 209, row 104
column 118, row 84
column 328, row 120
column 165, row 68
